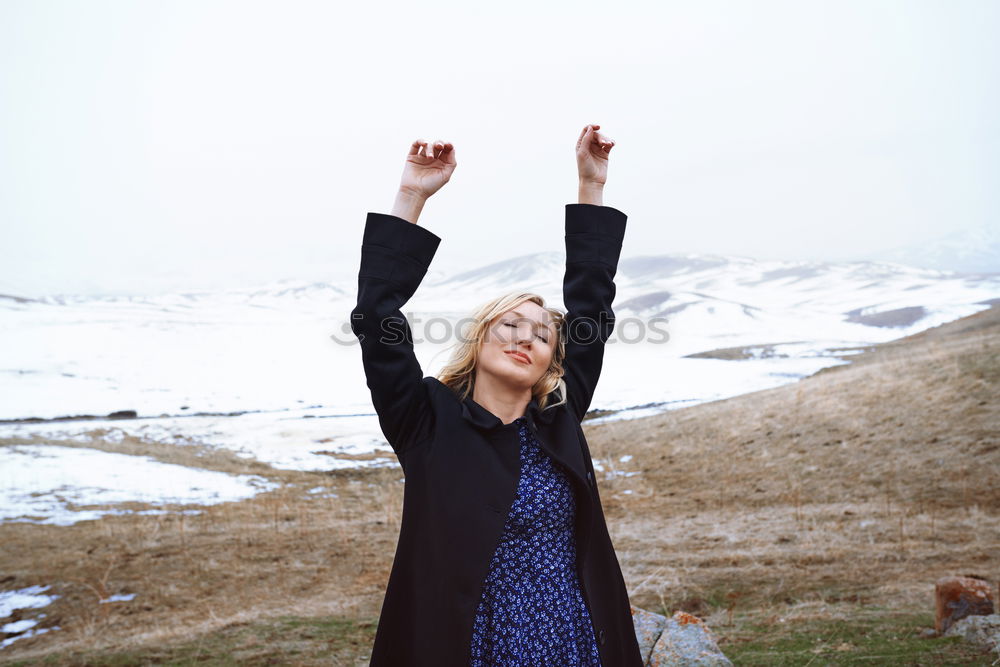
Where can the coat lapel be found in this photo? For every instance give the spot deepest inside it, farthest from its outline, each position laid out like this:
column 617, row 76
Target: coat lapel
column 569, row 454
column 486, row 420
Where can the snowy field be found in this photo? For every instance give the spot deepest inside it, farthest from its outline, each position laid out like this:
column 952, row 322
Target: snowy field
column 274, row 374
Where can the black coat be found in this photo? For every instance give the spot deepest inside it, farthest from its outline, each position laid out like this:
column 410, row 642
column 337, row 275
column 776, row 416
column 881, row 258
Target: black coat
column 461, row 462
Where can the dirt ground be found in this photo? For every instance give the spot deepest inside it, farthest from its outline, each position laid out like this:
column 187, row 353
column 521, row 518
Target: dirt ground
column 853, row 488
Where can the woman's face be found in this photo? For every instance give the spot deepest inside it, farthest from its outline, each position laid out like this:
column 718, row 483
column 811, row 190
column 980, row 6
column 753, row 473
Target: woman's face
column 518, row 346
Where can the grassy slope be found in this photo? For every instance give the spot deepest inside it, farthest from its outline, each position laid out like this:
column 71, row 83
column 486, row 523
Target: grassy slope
column 805, row 523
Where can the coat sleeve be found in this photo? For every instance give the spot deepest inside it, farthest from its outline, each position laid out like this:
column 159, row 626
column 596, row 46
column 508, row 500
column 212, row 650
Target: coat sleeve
column 395, row 255
column 594, row 236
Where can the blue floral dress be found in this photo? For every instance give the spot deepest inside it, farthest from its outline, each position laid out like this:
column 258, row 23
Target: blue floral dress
column 532, row 611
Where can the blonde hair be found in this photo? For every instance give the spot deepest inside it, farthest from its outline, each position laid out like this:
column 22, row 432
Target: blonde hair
column 459, row 374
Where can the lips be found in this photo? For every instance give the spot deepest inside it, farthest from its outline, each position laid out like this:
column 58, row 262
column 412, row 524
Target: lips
column 520, row 356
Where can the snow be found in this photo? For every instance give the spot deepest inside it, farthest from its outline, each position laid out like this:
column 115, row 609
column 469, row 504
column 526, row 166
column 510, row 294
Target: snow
column 24, row 598
column 44, row 483
column 292, row 439
column 18, row 626
column 30, row 633
column 274, row 374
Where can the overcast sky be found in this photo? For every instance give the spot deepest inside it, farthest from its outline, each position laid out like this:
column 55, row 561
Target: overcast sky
column 153, row 146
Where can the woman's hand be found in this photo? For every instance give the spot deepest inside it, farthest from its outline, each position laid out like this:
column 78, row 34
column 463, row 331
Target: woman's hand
column 592, row 150
column 425, row 172
column 423, row 175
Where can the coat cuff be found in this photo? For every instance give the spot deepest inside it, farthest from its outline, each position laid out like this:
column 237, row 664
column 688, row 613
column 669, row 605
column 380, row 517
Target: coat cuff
column 594, row 233
column 395, row 249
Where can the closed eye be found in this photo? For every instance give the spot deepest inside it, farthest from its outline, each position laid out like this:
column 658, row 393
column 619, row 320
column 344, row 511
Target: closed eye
column 510, row 324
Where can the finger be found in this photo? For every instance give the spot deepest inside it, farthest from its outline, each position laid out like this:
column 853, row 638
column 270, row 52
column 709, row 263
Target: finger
column 438, row 149
column 448, row 153
column 415, row 147
column 587, row 137
column 583, row 133
column 596, row 139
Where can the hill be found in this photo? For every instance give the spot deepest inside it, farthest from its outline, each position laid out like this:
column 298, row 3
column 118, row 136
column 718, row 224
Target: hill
column 804, row 520
column 862, row 483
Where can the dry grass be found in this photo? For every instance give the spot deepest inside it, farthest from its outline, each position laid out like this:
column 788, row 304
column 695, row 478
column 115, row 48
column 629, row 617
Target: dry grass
column 283, row 552
column 850, row 490
column 863, row 483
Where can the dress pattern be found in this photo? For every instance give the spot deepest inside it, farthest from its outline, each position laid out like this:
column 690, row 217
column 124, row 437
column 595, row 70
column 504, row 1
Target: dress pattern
column 532, row 611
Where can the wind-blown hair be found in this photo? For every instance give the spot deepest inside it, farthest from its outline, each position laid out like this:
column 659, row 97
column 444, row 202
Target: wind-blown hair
column 459, row 374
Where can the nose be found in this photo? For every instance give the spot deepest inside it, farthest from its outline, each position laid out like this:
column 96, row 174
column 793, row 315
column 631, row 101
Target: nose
column 524, row 335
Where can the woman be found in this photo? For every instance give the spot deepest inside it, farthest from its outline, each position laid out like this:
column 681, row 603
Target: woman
column 504, row 556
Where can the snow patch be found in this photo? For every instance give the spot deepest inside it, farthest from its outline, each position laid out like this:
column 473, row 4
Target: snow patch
column 48, row 483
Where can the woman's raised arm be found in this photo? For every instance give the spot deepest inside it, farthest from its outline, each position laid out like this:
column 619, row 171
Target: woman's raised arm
column 395, row 256
column 594, row 236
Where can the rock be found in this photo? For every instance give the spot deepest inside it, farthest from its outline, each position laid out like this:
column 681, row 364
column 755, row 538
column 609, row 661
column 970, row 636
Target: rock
column 981, row 630
column 681, row 640
column 958, row 597
column 648, row 628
